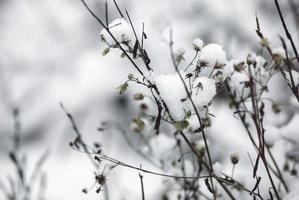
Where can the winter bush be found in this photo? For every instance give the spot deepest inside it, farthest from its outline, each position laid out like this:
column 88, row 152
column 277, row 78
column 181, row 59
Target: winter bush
column 172, row 129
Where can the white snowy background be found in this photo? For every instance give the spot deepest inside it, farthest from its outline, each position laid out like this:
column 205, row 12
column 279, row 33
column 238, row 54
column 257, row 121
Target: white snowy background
column 50, row 52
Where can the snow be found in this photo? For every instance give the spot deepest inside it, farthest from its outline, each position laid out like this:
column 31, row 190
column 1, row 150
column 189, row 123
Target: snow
column 174, row 94
column 217, row 167
column 203, row 91
column 234, row 156
column 197, row 44
column 69, row 38
column 294, row 189
column 121, row 30
column 179, row 55
column 161, row 144
column 236, row 84
column 172, row 91
column 193, row 122
column 213, row 55
column 279, row 51
column 272, row 135
column 179, row 52
column 278, row 119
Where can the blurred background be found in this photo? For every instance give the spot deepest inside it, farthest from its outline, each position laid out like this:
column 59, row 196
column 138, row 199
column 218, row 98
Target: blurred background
column 50, row 52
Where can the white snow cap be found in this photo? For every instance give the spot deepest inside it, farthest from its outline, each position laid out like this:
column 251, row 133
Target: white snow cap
column 172, row 91
column 174, row 94
column 261, row 75
column 203, row 91
column 197, row 44
column 179, row 55
column 180, row 52
column 279, row 51
column 213, row 55
column 121, row 30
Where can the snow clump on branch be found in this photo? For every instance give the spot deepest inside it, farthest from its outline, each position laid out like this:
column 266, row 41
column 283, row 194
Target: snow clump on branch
column 212, row 55
column 121, row 30
column 175, row 96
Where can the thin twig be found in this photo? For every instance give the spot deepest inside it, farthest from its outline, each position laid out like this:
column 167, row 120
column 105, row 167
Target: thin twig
column 142, row 186
column 289, row 36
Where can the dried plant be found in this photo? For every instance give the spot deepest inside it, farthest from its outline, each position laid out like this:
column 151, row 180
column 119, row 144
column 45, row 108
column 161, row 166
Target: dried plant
column 171, row 129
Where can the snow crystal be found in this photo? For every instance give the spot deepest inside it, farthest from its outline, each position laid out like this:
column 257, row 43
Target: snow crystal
column 121, row 30
column 197, row 44
column 212, row 55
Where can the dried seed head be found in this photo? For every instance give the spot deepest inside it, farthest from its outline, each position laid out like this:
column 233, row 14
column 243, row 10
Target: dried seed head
column 197, row 44
column 276, row 108
column 294, row 172
column 138, row 96
column 101, row 179
column 264, row 42
column 286, row 167
column 206, row 122
column 239, row 67
column 234, row 157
